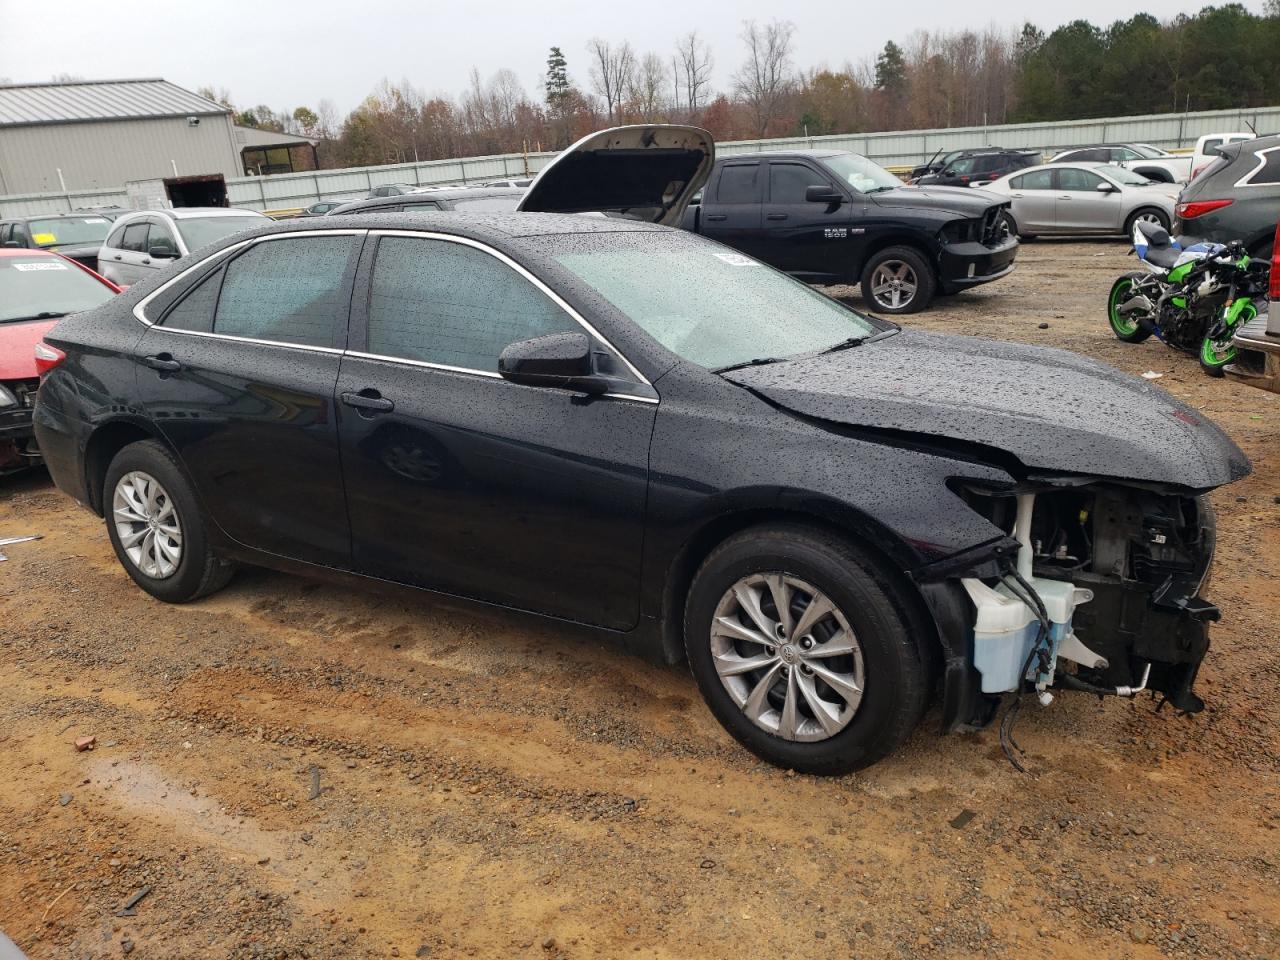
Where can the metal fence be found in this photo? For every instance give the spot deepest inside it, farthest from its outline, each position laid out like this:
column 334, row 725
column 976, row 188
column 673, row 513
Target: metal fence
column 1170, row 131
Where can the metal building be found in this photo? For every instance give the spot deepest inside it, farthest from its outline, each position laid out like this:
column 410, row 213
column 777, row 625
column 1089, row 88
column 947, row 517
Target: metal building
column 60, row 137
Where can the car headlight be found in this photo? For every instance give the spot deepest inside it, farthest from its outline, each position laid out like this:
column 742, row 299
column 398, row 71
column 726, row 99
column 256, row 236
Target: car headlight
column 7, row 398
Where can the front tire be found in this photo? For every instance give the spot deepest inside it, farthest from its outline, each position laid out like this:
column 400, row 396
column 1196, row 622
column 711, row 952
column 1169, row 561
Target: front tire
column 1124, row 326
column 156, row 526
column 898, row 280
column 1214, row 357
column 800, row 645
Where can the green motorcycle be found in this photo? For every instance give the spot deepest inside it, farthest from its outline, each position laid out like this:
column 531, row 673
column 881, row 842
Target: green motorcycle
column 1193, row 298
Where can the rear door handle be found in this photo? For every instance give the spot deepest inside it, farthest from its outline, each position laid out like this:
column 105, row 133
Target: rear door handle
column 162, row 361
column 775, row 216
column 1064, row 196
column 717, row 216
column 368, row 400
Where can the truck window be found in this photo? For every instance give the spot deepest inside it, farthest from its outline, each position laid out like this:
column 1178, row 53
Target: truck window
column 738, row 183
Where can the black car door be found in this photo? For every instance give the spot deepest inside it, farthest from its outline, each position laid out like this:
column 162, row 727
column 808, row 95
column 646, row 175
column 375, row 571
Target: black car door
column 731, row 208
column 463, row 482
column 238, row 375
column 806, row 239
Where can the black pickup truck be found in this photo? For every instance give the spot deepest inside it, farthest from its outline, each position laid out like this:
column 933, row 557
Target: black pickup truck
column 830, row 217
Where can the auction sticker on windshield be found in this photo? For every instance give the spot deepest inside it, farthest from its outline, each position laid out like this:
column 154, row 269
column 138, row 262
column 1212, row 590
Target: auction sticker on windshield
column 51, row 265
column 736, row 259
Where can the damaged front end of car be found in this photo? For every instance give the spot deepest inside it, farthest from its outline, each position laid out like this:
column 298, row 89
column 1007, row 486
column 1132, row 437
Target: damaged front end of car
column 1096, row 587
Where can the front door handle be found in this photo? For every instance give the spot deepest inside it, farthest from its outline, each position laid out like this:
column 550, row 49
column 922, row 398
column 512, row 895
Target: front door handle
column 717, row 216
column 117, row 257
column 775, row 216
column 146, row 260
column 368, row 399
column 162, row 361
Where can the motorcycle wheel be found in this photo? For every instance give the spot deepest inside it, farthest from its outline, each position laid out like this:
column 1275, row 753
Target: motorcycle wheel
column 1214, row 356
column 1125, row 327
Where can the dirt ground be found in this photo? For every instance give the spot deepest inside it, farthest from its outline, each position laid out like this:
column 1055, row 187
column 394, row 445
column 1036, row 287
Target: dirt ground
column 495, row 787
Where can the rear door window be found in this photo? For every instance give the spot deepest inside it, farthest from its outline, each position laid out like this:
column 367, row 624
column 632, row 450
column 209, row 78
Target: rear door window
column 739, row 183
column 287, row 291
column 1035, row 180
column 450, row 304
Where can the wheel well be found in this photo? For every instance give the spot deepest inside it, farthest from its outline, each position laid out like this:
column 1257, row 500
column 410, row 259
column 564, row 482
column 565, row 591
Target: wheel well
column 1141, row 210
column 899, row 241
column 104, row 444
column 699, row 547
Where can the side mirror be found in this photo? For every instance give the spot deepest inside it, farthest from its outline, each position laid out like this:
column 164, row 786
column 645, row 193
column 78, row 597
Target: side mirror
column 822, row 194
column 556, row 360
column 161, row 253
column 1105, row 187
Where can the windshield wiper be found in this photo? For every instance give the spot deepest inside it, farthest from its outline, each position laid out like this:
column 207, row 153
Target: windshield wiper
column 757, row 362
column 43, row 315
column 859, row 341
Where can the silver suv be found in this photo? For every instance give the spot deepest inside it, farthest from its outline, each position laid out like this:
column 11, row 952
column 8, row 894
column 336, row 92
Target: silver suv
column 150, row 239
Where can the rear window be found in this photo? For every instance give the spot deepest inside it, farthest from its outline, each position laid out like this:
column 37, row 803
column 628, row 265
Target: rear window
column 34, row 288
column 201, row 231
column 68, row 231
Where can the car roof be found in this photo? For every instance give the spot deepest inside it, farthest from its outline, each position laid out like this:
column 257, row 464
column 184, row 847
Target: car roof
column 52, row 216
column 187, row 213
column 478, row 226
column 430, row 196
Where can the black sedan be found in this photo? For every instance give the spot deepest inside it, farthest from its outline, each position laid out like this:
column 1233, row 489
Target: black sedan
column 464, row 199
column 631, row 427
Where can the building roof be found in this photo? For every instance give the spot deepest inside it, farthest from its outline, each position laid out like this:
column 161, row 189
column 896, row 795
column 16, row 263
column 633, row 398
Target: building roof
column 38, row 103
column 248, row 137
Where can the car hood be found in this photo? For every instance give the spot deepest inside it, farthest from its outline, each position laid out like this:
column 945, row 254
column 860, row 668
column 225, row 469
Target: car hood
column 648, row 172
column 17, row 347
column 965, row 201
column 1050, row 409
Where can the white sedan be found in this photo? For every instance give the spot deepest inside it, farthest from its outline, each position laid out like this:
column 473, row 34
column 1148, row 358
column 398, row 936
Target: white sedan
column 1083, row 199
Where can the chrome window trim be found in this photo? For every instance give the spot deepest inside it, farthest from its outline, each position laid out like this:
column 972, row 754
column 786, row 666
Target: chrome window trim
column 538, row 284
column 139, row 308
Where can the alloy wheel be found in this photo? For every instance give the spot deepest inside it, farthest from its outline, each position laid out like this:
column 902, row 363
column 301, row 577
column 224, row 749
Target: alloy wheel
column 147, row 525
column 1149, row 217
column 787, row 656
column 894, row 284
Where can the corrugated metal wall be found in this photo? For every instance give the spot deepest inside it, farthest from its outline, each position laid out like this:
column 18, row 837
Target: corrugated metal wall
column 102, row 156
column 1170, row 131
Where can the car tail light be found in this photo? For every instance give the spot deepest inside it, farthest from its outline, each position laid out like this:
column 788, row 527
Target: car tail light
column 47, row 358
column 1275, row 268
column 1198, row 208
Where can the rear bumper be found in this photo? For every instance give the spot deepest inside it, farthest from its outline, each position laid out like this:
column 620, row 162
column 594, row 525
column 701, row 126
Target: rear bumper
column 1257, row 360
column 964, row 265
column 62, row 449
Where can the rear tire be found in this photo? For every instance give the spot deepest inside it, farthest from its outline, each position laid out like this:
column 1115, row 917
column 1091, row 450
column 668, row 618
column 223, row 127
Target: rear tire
column 157, row 528
column 898, row 280
column 751, row 704
column 1149, row 214
column 1125, row 327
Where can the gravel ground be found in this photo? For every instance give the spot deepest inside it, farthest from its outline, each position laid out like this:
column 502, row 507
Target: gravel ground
column 296, row 769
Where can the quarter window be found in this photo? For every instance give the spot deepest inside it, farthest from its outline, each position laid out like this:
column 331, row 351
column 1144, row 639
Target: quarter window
column 288, row 291
column 195, row 310
column 451, row 304
column 738, row 183
column 789, row 181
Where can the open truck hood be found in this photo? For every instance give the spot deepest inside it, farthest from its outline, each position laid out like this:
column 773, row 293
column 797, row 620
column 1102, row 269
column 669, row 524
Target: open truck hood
column 645, row 172
column 1050, row 409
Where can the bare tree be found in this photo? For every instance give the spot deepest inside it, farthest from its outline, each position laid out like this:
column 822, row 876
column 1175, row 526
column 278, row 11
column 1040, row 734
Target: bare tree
column 765, row 78
column 648, row 82
column 611, row 72
column 692, row 72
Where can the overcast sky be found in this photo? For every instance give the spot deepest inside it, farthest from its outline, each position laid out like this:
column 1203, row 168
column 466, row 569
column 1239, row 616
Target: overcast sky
column 287, row 53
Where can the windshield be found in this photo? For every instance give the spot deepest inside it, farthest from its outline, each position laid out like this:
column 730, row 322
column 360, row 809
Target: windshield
column 860, row 173
column 1126, row 177
column 32, row 286
column 68, row 231
column 199, row 232
column 706, row 303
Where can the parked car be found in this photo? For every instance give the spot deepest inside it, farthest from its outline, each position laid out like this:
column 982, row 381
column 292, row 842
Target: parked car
column 392, row 190
column 37, row 288
column 470, row 199
column 974, row 168
column 1083, row 198
column 1142, row 158
column 142, row 243
column 324, row 206
column 937, row 162
column 1207, row 148
column 607, row 422
column 75, row 235
column 1257, row 343
column 827, row 216
column 1237, row 197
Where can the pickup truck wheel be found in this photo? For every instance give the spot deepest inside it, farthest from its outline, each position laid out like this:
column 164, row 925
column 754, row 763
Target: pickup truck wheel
column 897, row 280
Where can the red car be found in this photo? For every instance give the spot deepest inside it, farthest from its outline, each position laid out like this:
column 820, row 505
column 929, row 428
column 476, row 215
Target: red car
column 36, row 288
